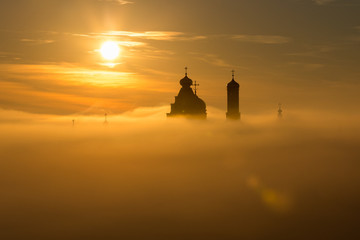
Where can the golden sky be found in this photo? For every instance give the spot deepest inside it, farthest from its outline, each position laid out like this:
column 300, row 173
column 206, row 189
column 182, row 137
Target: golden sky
column 303, row 53
column 66, row 173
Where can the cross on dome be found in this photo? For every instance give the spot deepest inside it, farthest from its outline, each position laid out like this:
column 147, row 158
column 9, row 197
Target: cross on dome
column 196, row 85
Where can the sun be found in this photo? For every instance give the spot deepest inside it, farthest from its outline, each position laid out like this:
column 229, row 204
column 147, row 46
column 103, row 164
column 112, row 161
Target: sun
column 110, row 50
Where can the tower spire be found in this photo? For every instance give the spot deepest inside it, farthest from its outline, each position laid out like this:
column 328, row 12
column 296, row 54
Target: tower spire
column 233, row 99
column 186, row 71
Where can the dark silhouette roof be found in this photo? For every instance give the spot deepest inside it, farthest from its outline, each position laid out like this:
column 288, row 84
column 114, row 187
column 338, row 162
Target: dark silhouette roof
column 187, row 103
column 186, row 82
column 233, row 83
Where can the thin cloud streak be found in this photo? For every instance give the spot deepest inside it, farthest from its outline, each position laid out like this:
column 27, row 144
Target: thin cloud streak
column 121, row 2
column 37, row 41
column 323, row 2
column 308, row 66
column 263, row 39
column 321, row 51
column 152, row 35
column 214, row 60
column 68, row 73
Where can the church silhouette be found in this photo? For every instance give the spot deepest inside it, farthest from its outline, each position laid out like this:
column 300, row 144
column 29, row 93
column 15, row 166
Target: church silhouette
column 233, row 99
column 188, row 104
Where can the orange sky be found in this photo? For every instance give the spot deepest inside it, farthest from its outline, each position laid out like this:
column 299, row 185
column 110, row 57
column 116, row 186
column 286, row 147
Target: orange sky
column 67, row 171
column 302, row 53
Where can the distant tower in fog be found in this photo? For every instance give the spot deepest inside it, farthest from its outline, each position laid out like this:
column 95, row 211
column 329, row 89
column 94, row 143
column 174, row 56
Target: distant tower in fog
column 106, row 119
column 280, row 111
column 233, row 99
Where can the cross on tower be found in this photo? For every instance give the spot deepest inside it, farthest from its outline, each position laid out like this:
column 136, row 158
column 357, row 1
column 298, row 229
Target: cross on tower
column 196, row 85
column 233, row 74
column 186, row 71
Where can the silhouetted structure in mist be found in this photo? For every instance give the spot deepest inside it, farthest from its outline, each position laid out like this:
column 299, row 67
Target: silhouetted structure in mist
column 233, row 99
column 187, row 103
column 280, row 111
column 106, row 119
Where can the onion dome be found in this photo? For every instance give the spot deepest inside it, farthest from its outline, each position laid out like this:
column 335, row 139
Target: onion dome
column 201, row 103
column 186, row 82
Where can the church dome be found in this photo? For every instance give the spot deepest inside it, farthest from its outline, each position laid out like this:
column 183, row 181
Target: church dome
column 186, row 82
column 201, row 103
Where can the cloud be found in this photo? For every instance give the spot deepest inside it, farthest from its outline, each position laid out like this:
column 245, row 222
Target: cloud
column 323, row 2
column 121, row 2
column 308, row 66
column 66, row 73
column 37, row 41
column 153, row 35
column 214, row 60
column 65, row 88
column 130, row 43
column 316, row 51
column 264, row 39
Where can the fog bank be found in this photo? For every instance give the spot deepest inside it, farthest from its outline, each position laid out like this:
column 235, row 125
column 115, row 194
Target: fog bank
column 142, row 176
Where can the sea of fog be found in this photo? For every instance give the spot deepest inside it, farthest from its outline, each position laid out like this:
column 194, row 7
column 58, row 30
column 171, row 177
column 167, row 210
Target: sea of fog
column 142, row 176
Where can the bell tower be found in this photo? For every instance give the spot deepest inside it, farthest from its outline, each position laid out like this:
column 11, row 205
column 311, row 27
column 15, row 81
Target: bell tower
column 233, row 99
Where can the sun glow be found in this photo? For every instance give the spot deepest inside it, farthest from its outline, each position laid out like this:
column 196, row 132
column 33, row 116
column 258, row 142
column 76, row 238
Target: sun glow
column 110, row 50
